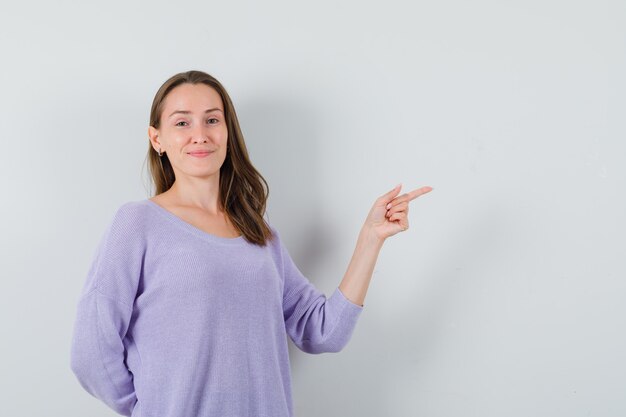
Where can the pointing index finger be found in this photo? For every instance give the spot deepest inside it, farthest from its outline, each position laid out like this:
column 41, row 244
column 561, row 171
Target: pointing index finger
column 419, row 191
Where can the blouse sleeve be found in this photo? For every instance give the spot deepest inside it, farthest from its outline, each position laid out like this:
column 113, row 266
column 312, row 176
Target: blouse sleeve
column 103, row 314
column 315, row 323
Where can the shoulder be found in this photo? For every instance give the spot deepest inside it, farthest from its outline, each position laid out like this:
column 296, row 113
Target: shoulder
column 275, row 239
column 276, row 242
column 130, row 211
column 134, row 208
column 129, row 218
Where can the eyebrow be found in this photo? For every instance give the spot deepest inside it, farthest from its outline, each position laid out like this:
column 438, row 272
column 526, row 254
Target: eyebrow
column 188, row 112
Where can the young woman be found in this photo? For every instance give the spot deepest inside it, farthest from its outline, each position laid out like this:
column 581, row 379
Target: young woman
column 191, row 293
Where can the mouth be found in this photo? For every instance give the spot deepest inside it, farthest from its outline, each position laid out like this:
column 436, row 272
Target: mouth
column 199, row 154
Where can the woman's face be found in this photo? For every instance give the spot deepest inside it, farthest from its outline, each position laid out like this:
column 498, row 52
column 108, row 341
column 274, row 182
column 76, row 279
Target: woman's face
column 192, row 121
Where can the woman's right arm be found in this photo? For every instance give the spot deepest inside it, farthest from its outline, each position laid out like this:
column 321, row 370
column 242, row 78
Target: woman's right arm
column 103, row 314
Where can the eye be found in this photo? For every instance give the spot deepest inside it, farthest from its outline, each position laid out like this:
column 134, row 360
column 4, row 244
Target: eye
column 212, row 118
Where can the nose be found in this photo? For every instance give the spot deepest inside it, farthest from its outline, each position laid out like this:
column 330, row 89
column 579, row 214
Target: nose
column 199, row 139
column 199, row 135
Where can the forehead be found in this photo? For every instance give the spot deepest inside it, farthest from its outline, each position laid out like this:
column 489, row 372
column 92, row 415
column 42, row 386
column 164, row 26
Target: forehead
column 193, row 97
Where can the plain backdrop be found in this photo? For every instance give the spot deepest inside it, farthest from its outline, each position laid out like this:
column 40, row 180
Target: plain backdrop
column 506, row 295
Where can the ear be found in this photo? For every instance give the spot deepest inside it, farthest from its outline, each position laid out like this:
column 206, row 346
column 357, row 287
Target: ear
column 153, row 135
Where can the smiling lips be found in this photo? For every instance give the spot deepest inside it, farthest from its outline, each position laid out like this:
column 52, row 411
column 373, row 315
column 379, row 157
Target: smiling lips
column 200, row 154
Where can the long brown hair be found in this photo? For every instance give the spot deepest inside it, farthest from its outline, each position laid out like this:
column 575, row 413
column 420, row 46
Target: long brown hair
column 243, row 190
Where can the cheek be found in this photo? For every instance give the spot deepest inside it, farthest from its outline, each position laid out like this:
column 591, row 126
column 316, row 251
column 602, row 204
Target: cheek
column 224, row 141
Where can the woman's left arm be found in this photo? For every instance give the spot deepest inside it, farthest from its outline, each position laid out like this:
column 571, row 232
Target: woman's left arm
column 387, row 217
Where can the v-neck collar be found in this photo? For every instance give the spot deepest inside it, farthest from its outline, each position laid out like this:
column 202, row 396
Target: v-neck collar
column 191, row 228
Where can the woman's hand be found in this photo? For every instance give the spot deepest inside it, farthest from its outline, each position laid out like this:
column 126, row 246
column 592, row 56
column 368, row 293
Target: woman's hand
column 389, row 214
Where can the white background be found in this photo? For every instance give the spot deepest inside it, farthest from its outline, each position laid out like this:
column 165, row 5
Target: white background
column 506, row 295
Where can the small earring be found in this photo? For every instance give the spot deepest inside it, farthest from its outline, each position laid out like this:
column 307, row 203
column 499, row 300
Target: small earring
column 160, row 154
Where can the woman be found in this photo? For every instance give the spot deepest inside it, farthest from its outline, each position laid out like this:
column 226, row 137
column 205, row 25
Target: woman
column 191, row 293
